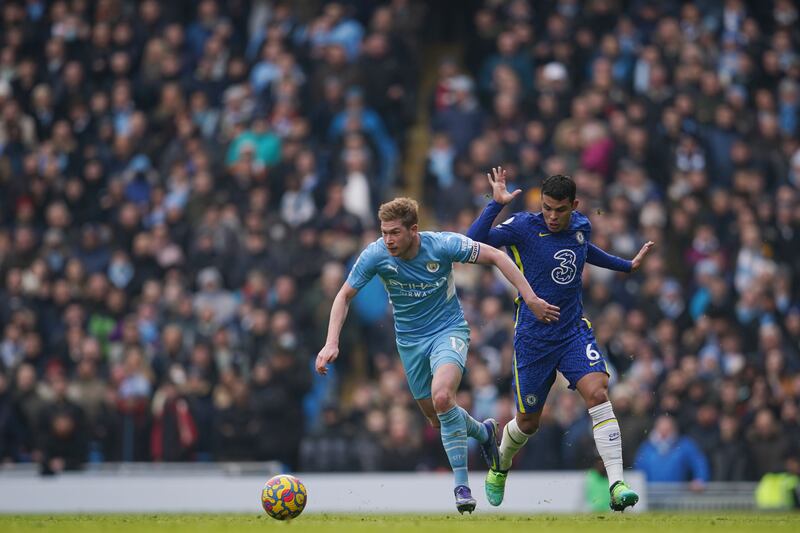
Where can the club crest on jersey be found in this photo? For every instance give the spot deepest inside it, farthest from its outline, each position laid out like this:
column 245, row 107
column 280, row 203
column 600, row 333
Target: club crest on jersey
column 530, row 400
column 579, row 237
column 432, row 267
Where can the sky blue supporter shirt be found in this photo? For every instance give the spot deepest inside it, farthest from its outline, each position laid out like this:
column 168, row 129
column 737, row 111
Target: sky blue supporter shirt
column 422, row 291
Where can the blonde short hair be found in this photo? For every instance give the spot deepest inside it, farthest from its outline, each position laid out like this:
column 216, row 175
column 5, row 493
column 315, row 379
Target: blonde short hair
column 402, row 209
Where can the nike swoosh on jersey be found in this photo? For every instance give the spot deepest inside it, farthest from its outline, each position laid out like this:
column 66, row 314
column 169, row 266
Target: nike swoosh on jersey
column 544, row 234
column 596, row 363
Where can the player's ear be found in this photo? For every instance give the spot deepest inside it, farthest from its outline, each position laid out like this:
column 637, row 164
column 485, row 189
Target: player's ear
column 414, row 228
column 575, row 204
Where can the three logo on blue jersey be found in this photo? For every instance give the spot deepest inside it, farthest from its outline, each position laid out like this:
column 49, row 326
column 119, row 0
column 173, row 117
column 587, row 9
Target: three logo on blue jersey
column 565, row 273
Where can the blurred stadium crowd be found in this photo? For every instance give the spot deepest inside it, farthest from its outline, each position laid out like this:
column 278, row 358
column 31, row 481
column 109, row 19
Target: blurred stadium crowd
column 183, row 187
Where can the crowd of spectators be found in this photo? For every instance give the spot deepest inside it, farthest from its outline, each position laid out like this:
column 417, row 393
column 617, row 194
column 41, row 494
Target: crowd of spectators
column 183, row 187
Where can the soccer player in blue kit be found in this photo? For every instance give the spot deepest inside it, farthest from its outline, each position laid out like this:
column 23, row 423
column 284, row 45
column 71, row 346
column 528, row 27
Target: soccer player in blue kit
column 431, row 333
column 550, row 249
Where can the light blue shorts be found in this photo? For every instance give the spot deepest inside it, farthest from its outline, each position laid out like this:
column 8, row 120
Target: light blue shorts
column 422, row 357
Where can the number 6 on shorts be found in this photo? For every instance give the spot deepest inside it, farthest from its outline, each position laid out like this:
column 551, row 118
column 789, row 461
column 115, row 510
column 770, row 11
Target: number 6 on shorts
column 591, row 353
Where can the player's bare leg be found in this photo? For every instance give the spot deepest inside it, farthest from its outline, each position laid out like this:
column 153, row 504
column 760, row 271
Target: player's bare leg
column 515, row 434
column 594, row 389
column 426, row 406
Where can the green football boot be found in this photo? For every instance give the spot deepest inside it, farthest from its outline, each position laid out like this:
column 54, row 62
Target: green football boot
column 621, row 496
column 496, row 486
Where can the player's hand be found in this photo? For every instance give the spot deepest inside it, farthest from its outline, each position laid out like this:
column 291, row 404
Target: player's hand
column 327, row 354
column 544, row 311
column 500, row 194
column 637, row 261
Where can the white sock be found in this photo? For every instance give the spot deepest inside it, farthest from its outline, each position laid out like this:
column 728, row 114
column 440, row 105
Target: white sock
column 608, row 439
column 513, row 439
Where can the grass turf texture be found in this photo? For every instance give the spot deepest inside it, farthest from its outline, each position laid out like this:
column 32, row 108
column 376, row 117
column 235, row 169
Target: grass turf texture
column 719, row 522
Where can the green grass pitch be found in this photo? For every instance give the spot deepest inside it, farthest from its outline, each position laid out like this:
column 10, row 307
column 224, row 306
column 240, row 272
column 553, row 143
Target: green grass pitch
column 718, row 522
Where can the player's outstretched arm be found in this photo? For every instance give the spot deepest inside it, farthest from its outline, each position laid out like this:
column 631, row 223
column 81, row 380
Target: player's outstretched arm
column 492, row 256
column 341, row 304
column 599, row 257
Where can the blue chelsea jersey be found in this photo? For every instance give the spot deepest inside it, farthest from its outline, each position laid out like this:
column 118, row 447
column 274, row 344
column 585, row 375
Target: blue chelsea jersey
column 553, row 265
column 421, row 290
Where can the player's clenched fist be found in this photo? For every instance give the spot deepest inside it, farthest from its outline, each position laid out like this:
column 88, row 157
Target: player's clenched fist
column 327, row 354
column 544, row 311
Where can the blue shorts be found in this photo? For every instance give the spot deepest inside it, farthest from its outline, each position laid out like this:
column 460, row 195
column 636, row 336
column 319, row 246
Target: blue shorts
column 422, row 357
column 535, row 366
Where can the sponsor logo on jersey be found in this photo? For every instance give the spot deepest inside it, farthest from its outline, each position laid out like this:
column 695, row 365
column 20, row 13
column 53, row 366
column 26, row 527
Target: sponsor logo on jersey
column 544, row 234
column 565, row 272
column 432, row 267
column 415, row 289
column 393, row 268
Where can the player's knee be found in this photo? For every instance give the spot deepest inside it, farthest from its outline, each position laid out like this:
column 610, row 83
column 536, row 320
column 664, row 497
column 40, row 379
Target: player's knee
column 529, row 426
column 597, row 396
column 443, row 401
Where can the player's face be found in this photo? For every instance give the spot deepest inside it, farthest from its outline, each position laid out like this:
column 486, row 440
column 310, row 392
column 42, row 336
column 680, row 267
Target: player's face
column 557, row 212
column 397, row 237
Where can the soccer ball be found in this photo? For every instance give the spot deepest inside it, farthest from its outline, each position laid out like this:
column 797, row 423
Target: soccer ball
column 284, row 497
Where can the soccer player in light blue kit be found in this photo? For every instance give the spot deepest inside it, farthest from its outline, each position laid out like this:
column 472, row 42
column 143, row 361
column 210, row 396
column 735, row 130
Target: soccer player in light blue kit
column 550, row 248
column 432, row 335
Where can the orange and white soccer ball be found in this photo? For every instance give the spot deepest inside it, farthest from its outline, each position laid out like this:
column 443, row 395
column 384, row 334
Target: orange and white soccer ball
column 284, row 497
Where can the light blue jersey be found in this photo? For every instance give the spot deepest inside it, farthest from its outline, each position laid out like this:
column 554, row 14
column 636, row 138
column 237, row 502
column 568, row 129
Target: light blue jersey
column 431, row 330
column 421, row 290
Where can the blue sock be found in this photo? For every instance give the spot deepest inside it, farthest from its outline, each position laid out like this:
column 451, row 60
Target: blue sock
column 454, row 439
column 475, row 429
